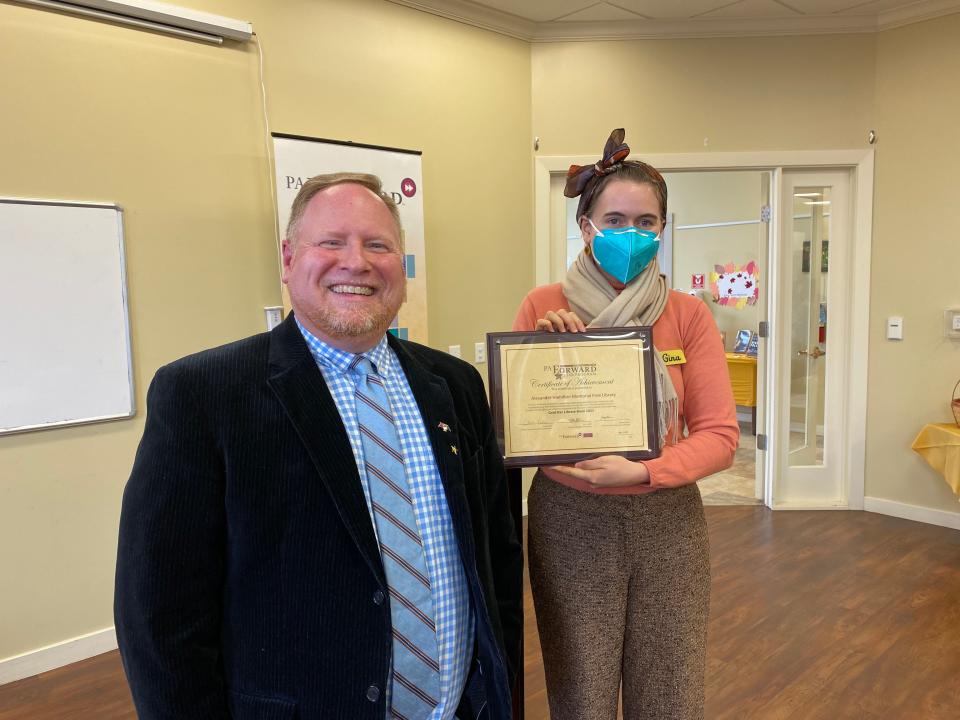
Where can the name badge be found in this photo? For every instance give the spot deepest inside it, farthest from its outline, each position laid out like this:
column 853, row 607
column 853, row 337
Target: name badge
column 673, row 357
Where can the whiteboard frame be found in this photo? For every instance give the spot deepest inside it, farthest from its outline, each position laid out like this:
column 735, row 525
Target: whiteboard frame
column 126, row 317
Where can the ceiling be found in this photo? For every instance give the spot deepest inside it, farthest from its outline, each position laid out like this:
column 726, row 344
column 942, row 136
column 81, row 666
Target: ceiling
column 554, row 20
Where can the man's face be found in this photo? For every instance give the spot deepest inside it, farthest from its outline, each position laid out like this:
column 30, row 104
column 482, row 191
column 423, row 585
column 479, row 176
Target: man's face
column 344, row 270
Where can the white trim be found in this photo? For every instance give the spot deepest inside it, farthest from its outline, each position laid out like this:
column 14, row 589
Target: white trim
column 931, row 516
column 485, row 17
column 801, row 505
column 55, row 656
column 917, row 12
column 767, row 380
column 858, row 329
column 524, row 508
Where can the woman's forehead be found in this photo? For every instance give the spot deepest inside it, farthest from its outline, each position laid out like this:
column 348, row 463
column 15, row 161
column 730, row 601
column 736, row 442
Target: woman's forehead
column 628, row 196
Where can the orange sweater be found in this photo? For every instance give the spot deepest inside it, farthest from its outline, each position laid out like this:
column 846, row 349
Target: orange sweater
column 703, row 391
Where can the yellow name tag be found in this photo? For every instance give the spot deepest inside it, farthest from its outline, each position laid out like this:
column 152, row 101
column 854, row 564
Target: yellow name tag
column 673, row 357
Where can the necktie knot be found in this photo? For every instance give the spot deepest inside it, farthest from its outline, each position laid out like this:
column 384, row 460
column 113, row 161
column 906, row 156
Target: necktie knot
column 362, row 366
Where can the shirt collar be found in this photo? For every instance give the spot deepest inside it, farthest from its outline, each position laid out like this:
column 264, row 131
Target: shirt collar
column 340, row 360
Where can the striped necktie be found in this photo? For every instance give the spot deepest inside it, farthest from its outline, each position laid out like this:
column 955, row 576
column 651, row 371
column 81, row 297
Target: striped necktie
column 416, row 670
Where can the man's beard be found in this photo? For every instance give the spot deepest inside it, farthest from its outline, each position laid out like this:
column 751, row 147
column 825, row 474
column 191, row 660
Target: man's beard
column 350, row 324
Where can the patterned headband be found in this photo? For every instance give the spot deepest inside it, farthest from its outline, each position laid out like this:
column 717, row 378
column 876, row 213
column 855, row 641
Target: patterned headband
column 582, row 180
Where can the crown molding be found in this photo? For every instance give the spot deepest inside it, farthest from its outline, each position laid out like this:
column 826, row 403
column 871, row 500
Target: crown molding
column 700, row 28
column 470, row 13
column 927, row 10
column 479, row 16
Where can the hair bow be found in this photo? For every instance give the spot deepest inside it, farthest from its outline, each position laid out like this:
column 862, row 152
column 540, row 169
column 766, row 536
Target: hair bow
column 579, row 176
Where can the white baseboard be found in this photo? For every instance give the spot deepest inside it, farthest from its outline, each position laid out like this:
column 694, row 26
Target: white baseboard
column 931, row 516
column 51, row 657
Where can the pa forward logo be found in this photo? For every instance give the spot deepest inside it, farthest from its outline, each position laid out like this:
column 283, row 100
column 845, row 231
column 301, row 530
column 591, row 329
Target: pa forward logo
column 408, row 187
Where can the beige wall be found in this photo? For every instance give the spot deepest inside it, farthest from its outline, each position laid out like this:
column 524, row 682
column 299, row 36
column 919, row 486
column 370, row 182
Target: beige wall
column 916, row 256
column 780, row 93
column 173, row 131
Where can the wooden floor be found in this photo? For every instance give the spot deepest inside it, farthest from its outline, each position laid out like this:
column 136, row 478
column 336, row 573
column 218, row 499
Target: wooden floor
column 821, row 616
column 94, row 688
column 815, row 616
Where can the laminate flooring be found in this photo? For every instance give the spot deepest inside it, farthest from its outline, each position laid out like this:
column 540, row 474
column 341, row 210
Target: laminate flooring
column 826, row 615
column 815, row 616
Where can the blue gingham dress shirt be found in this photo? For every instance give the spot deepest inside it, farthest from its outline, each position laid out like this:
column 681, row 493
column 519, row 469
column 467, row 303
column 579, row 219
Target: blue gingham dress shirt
column 453, row 617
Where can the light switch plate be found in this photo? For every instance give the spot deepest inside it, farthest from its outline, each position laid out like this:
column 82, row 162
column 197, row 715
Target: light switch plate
column 951, row 323
column 454, row 350
column 894, row 328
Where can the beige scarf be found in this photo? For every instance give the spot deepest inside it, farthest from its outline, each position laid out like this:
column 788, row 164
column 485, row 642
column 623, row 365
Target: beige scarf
column 641, row 302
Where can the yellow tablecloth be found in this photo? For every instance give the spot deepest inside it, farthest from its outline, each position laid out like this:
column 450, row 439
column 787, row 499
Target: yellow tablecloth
column 939, row 445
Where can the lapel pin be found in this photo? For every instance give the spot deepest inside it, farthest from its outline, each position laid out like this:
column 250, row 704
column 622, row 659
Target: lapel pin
column 454, row 448
column 443, row 426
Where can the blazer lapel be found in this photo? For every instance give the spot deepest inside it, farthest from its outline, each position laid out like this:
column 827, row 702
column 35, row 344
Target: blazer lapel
column 299, row 386
column 437, row 410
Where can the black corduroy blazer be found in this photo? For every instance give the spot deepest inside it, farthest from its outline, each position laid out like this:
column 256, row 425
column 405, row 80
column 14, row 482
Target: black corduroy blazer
column 249, row 581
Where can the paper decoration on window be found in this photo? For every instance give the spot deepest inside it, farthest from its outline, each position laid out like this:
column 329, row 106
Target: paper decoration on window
column 734, row 285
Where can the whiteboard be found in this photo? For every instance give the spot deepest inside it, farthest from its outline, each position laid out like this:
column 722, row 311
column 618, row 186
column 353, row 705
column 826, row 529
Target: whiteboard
column 64, row 327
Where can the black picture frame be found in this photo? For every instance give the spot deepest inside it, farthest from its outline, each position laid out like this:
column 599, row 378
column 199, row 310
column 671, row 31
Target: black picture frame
column 499, row 399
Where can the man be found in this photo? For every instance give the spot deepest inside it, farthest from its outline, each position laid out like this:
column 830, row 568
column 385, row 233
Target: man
column 317, row 525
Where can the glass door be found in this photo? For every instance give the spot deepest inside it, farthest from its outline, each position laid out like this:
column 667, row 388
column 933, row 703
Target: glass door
column 810, row 243
column 814, row 248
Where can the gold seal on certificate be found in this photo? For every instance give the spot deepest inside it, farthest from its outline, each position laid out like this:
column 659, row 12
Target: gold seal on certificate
column 562, row 397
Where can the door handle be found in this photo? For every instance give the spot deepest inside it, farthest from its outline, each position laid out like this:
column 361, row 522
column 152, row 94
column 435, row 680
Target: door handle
column 815, row 353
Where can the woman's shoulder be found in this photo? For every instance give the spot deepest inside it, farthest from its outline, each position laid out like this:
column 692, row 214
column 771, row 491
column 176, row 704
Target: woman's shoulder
column 536, row 304
column 684, row 310
column 547, row 297
column 550, row 292
column 685, row 303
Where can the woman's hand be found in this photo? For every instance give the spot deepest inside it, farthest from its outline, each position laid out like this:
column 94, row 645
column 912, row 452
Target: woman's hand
column 561, row 321
column 607, row 471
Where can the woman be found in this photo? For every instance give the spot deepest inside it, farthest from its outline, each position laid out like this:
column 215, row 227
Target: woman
column 619, row 558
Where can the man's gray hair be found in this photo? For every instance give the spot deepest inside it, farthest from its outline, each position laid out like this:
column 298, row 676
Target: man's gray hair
column 318, row 183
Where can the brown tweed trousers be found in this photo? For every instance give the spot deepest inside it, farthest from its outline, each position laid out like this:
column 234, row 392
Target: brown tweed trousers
column 621, row 588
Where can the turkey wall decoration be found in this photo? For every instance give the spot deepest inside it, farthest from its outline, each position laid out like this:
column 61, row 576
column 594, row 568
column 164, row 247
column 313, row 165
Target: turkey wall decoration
column 735, row 285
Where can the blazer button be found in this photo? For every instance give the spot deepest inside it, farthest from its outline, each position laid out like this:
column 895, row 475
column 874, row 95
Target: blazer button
column 373, row 693
column 378, row 597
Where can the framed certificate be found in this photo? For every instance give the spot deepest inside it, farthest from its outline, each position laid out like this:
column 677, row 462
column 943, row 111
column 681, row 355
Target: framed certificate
column 558, row 398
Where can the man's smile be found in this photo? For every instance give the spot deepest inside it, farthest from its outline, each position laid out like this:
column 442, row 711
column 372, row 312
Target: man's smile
column 351, row 289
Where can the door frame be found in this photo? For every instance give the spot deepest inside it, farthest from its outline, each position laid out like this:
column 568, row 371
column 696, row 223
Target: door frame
column 860, row 164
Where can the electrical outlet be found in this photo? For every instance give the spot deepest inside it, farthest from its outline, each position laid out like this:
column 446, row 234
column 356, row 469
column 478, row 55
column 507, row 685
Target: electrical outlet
column 274, row 315
column 479, row 352
column 454, row 350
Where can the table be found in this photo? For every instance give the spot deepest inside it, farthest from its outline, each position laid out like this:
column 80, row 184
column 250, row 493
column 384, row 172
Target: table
column 939, row 445
column 743, row 379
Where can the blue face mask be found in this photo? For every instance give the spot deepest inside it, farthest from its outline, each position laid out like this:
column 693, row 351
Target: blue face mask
column 624, row 252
